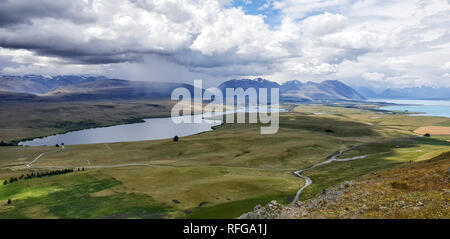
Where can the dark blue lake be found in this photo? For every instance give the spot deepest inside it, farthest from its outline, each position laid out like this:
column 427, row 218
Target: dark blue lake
column 151, row 129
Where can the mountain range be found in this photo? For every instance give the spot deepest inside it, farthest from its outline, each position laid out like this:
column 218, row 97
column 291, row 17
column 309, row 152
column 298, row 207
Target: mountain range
column 330, row 90
column 412, row 93
column 80, row 87
column 37, row 84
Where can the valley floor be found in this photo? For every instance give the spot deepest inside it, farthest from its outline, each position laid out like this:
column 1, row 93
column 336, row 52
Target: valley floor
column 219, row 174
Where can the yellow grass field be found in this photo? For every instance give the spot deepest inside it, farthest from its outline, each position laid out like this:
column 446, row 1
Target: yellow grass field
column 433, row 130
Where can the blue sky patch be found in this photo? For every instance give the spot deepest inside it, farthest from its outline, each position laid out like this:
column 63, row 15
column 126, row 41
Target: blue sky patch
column 260, row 7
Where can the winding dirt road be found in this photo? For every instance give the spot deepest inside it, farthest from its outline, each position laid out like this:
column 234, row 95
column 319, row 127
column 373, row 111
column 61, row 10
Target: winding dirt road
column 332, row 158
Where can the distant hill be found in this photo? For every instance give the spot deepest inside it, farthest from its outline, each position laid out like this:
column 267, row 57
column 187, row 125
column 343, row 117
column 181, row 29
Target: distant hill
column 326, row 90
column 291, row 86
column 37, row 84
column 298, row 91
column 116, row 89
column 418, row 93
column 77, row 88
column 14, row 96
column 248, row 83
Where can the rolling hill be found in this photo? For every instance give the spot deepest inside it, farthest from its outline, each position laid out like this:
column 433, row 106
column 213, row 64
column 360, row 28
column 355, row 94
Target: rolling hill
column 78, row 88
column 37, row 84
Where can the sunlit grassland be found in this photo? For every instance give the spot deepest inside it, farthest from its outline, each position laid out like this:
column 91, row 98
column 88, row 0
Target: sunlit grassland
column 73, row 196
column 193, row 188
column 442, row 137
column 222, row 173
column 411, row 190
column 379, row 156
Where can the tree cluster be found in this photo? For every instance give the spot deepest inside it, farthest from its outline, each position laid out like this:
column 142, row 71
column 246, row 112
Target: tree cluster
column 39, row 175
column 6, row 144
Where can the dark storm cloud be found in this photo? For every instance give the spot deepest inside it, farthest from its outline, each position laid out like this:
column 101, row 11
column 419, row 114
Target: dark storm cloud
column 95, row 51
column 57, row 29
column 99, row 51
column 195, row 59
column 92, row 52
column 14, row 12
column 197, row 38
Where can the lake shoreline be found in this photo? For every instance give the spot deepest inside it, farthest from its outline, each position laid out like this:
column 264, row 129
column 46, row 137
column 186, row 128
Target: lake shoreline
column 431, row 108
column 147, row 132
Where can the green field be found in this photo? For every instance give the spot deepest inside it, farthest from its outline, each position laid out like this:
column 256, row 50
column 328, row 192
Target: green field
column 218, row 174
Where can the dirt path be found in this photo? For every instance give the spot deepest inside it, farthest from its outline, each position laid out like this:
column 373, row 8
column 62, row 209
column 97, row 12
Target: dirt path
column 38, row 157
column 332, row 158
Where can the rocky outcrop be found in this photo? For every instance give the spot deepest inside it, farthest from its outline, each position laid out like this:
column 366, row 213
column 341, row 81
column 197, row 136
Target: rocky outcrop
column 271, row 211
column 275, row 210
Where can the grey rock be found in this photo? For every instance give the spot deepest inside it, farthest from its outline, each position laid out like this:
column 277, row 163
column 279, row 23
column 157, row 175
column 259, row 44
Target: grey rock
column 275, row 210
column 399, row 203
column 383, row 208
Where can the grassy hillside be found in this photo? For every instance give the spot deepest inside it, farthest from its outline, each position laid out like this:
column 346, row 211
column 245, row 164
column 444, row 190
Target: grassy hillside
column 412, row 190
column 222, row 173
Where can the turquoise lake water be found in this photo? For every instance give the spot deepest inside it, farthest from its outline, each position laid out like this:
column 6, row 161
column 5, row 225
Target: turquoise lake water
column 427, row 107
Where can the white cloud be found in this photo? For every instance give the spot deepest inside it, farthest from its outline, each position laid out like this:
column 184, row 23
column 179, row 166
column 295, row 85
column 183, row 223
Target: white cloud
column 400, row 43
column 373, row 76
column 446, row 66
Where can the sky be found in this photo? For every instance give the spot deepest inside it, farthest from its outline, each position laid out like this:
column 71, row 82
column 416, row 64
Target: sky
column 394, row 44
